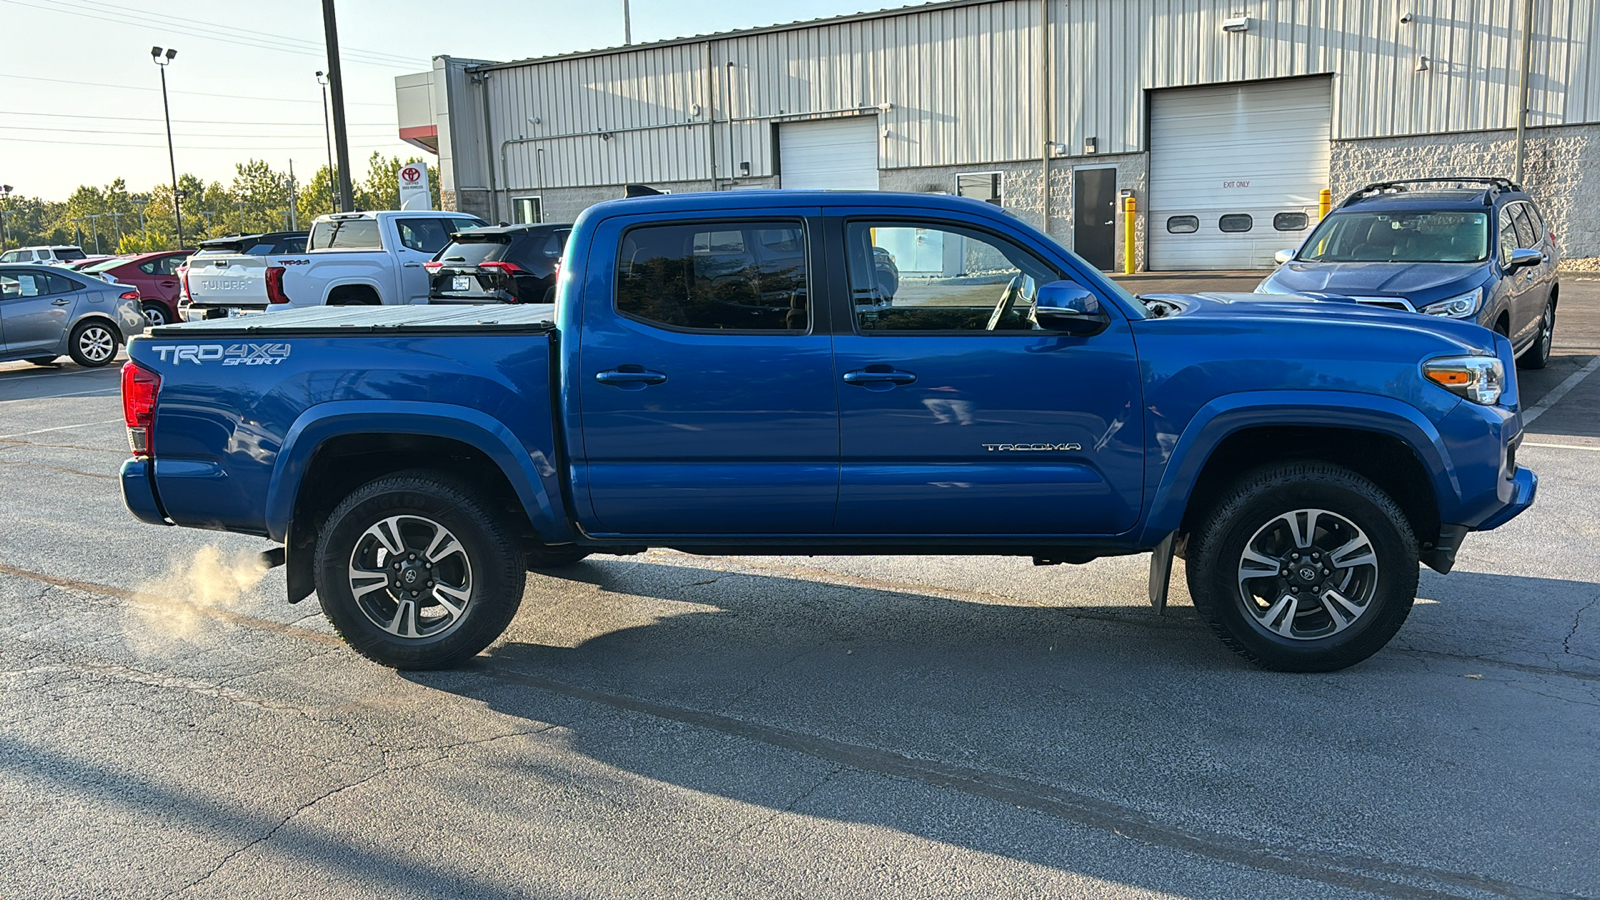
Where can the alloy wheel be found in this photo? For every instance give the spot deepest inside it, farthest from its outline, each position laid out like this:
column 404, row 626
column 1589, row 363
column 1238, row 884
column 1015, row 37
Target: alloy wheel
column 1307, row 574
column 411, row 577
column 97, row 344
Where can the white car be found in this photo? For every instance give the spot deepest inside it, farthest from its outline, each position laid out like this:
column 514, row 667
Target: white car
column 53, row 254
column 351, row 259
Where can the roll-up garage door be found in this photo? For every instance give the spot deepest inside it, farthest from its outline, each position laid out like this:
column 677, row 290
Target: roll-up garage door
column 835, row 154
column 1235, row 171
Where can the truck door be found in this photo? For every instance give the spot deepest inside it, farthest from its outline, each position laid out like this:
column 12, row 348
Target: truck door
column 706, row 383
column 958, row 414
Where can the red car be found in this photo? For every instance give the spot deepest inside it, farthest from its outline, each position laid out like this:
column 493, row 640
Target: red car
column 155, row 275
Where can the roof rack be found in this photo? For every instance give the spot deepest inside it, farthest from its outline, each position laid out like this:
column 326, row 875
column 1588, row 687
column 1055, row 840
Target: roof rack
column 1496, row 186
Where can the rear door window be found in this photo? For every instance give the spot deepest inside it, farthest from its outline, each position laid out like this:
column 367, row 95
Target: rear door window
column 703, row 277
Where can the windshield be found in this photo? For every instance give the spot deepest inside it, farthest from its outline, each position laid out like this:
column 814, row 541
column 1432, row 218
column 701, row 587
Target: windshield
column 1399, row 236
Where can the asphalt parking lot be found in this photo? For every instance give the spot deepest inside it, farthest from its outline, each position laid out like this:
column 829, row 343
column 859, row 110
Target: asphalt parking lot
column 675, row 726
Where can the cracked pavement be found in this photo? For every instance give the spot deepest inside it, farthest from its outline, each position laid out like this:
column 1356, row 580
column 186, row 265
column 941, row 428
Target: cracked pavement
column 666, row 725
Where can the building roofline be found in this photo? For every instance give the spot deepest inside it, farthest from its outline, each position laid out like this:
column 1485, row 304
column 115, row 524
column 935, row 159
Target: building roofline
column 737, row 33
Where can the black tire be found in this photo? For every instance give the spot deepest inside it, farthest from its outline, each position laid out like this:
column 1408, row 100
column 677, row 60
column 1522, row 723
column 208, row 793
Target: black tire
column 1538, row 355
column 1267, row 511
column 93, row 344
column 42, row 360
column 488, row 570
column 555, row 557
column 156, row 314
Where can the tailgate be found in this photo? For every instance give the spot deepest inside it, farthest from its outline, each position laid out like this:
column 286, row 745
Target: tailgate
column 229, row 281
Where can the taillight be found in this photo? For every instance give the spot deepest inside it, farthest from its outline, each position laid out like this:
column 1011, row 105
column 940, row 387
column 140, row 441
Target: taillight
column 275, row 292
column 128, row 295
column 139, row 389
column 510, row 268
column 183, row 275
column 433, row 266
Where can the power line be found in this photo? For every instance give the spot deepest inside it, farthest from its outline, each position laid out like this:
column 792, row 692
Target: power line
column 18, row 112
column 253, row 137
column 253, row 35
column 132, row 87
column 259, row 42
column 256, row 147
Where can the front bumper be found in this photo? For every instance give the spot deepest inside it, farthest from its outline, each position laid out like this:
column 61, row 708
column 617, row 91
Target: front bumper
column 1525, row 485
column 139, row 492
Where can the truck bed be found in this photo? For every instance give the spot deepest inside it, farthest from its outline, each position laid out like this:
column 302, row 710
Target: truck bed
column 530, row 318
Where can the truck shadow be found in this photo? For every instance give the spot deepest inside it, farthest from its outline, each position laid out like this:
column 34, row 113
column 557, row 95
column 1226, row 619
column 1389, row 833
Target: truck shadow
column 924, row 714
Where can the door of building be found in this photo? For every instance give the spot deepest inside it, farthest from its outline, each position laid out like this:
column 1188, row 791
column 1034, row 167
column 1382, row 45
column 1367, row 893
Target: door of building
column 1094, row 215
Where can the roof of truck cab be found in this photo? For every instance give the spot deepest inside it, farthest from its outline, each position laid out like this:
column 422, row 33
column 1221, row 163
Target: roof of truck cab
column 782, row 199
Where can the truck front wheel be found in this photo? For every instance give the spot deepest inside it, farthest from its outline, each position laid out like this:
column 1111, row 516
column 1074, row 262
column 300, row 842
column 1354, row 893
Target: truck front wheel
column 1304, row 567
column 416, row 571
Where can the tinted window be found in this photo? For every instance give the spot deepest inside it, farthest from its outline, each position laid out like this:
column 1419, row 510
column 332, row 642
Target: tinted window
column 940, row 278
column 1535, row 221
column 704, row 277
column 347, row 234
column 60, row 284
column 70, row 253
column 148, row 267
column 1183, row 224
column 1399, row 236
column 169, row 265
column 471, row 252
column 1235, row 223
column 1290, row 221
column 1526, row 235
column 425, row 235
column 556, row 244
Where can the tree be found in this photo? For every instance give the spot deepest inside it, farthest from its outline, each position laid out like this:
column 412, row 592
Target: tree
column 381, row 188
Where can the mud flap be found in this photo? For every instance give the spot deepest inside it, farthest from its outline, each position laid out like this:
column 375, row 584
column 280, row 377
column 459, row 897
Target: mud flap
column 1161, row 573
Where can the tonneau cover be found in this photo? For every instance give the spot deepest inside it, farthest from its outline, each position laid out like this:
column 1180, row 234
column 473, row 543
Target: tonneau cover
column 354, row 320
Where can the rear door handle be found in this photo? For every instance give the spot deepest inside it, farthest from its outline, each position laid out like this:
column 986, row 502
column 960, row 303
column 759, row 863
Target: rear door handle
column 630, row 378
column 63, row 301
column 879, row 375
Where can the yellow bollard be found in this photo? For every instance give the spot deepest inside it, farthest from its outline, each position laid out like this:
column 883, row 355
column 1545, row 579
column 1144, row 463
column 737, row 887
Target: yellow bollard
column 1128, row 208
column 1324, row 203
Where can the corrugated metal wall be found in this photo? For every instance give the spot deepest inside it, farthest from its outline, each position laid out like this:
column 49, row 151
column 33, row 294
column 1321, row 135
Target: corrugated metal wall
column 962, row 84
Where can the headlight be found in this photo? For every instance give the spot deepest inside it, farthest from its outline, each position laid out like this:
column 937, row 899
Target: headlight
column 1480, row 379
column 1462, row 306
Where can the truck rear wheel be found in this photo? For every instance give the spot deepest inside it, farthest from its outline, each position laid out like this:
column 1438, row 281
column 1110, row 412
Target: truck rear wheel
column 416, row 571
column 1304, row 567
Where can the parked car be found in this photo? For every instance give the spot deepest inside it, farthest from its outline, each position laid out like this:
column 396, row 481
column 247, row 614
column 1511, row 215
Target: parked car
column 43, row 254
column 46, row 311
column 262, row 244
column 154, row 275
column 351, row 259
column 1302, row 455
column 504, row 264
column 1465, row 248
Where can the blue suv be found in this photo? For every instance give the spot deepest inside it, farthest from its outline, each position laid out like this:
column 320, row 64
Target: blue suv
column 1466, row 248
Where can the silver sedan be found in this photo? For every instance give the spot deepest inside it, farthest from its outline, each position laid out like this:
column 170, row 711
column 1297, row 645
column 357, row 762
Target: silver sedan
column 47, row 311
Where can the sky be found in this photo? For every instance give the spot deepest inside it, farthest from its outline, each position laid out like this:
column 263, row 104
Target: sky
column 80, row 99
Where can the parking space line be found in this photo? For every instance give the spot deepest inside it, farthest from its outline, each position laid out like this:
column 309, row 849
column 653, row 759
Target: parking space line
column 1592, row 449
column 105, row 391
column 5, row 380
column 7, row 437
column 1560, row 390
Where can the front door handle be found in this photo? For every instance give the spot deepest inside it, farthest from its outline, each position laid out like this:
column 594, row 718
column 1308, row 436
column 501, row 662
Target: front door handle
column 879, row 375
column 412, row 265
column 630, row 378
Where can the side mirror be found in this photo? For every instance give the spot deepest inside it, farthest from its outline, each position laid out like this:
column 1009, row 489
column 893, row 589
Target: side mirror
column 1523, row 257
column 1282, row 256
column 1068, row 307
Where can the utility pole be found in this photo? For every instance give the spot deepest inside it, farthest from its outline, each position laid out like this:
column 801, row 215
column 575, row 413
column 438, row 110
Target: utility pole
column 239, row 205
column 293, row 213
column 627, row 25
column 94, row 226
column 327, row 137
column 177, row 212
column 144, row 230
column 330, row 28
column 5, row 215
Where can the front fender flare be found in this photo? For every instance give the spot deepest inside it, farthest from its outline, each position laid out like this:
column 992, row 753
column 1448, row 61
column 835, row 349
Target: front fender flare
column 530, row 471
column 1227, row 415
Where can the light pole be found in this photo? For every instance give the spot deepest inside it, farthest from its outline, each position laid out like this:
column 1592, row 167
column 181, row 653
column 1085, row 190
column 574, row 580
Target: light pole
column 327, row 137
column 156, row 57
column 5, row 214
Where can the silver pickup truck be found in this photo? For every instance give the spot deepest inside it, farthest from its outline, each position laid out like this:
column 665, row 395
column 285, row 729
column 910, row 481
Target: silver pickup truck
column 351, row 259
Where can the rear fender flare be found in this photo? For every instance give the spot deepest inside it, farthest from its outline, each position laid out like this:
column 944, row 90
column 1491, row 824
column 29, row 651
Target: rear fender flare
column 528, row 470
column 1232, row 413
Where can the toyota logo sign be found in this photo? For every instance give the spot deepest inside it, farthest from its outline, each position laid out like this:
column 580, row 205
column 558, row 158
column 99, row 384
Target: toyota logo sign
column 411, row 173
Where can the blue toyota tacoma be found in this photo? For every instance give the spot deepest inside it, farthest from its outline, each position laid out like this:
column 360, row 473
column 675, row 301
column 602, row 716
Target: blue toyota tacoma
column 732, row 374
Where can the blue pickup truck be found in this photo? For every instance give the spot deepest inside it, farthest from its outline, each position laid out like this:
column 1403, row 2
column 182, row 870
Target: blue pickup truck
column 733, row 374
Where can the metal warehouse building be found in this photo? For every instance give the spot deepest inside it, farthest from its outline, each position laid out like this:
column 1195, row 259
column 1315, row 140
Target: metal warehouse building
column 1223, row 119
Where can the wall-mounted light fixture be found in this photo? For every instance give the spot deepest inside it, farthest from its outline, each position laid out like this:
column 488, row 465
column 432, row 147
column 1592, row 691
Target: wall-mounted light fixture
column 605, row 135
column 1056, row 148
column 534, row 120
column 1424, row 64
column 744, row 170
column 1091, row 146
column 1405, row 18
column 1236, row 24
